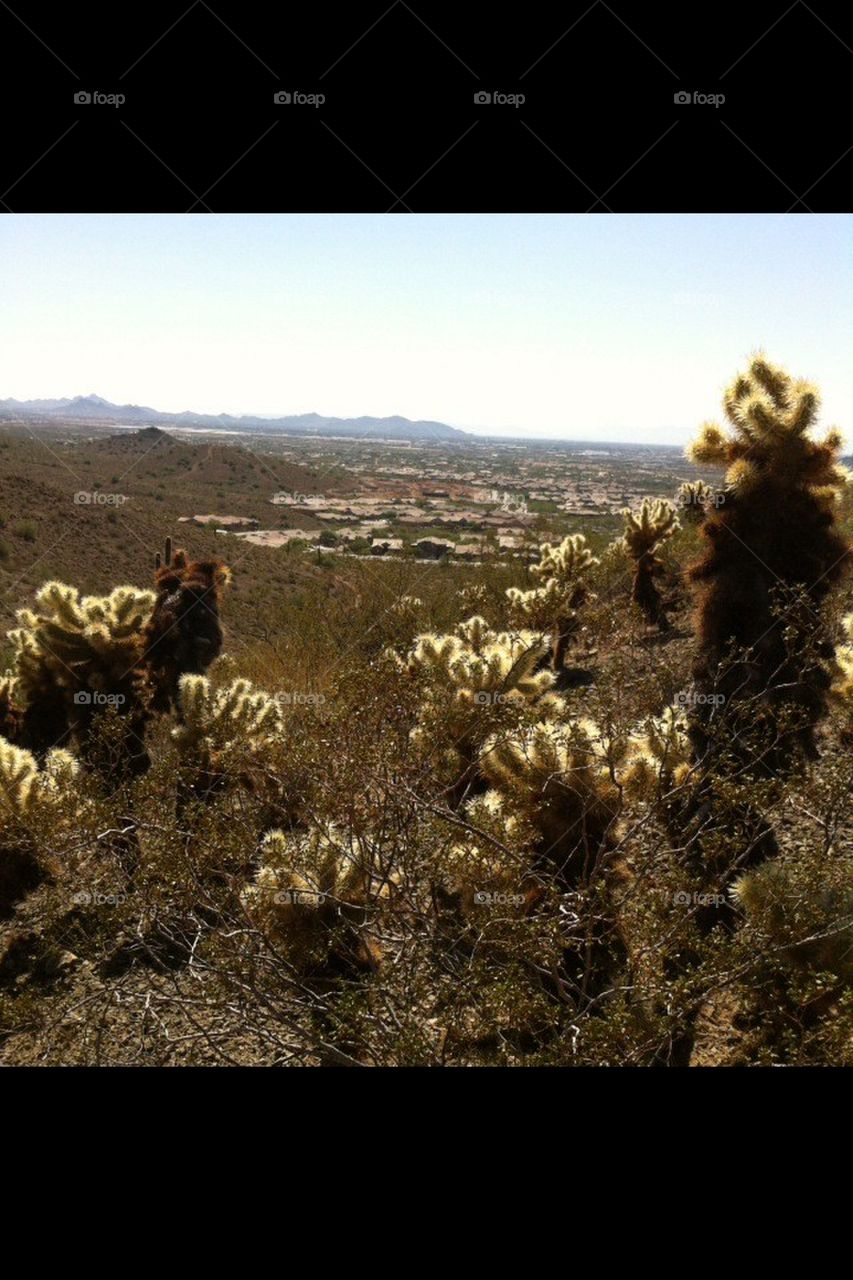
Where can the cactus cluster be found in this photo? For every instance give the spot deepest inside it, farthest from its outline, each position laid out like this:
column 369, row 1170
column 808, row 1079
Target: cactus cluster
column 235, row 717
column 310, row 893
column 563, row 572
column 474, row 865
column 26, row 789
column 658, row 755
column 560, row 779
column 470, row 681
column 76, row 657
column 654, row 523
column 30, row 796
column 222, row 732
column 773, row 553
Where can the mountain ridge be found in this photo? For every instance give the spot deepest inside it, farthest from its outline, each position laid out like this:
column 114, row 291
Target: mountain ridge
column 95, row 408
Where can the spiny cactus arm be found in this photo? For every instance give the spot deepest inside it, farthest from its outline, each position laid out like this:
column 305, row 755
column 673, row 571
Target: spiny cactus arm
column 17, row 773
column 711, row 447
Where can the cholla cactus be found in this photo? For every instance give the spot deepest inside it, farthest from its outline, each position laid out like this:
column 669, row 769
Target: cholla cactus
column 183, row 634
column 223, row 729
column 563, row 571
column 25, row 789
column 559, row 778
column 776, row 529
column 472, row 681
column 694, row 498
column 474, row 866
column 28, row 797
column 655, row 522
column 658, row 756
column 75, row 658
column 813, row 929
column 312, row 893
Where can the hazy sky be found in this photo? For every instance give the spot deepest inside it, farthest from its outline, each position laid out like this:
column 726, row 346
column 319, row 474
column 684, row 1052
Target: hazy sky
column 620, row 327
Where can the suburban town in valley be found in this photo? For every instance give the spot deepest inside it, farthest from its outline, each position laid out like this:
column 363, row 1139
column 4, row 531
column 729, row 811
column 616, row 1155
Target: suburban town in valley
column 465, row 501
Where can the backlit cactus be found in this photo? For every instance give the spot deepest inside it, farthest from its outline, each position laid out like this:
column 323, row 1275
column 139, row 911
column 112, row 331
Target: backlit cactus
column 655, row 522
column 222, row 731
column 559, row 778
column 811, row 929
column 658, row 755
column 563, row 571
column 773, row 553
column 471, row 681
column 76, row 657
column 26, row 789
column 694, row 499
column 842, row 689
column 311, row 891
column 33, row 801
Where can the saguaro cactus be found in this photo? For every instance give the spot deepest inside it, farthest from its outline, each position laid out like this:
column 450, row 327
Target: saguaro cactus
column 563, row 572
column 775, row 535
column 644, row 533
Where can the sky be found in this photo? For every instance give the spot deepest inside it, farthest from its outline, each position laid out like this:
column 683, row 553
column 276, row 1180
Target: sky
column 574, row 326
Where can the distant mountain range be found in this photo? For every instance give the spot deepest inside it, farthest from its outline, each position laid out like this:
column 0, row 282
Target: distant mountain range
column 94, row 409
